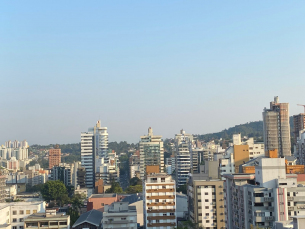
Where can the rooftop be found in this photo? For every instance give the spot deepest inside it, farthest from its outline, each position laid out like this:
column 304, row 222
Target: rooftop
column 4, row 205
column 93, row 217
column 106, row 195
column 39, row 216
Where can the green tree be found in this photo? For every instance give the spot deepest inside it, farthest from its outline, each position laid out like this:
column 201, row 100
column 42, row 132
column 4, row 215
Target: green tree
column 135, row 181
column 55, row 191
column 115, row 188
column 134, row 189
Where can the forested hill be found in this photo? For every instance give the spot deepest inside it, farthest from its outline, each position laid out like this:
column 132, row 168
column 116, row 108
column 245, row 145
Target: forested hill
column 250, row 129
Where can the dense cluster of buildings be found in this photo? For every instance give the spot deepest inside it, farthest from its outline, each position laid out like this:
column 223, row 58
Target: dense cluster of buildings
column 228, row 184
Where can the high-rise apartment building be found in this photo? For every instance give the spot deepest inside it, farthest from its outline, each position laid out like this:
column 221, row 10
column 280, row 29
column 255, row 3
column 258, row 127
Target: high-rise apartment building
column 94, row 146
column 298, row 125
column 260, row 199
column 63, row 173
column 54, row 157
column 88, row 157
column 206, row 202
column 276, row 128
column 16, row 149
column 159, row 200
column 183, row 144
column 100, row 139
column 151, row 152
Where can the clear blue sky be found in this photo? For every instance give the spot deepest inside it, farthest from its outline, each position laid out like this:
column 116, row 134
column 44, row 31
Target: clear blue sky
column 199, row 65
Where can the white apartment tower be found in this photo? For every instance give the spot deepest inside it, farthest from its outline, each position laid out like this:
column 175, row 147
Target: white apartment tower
column 88, row 157
column 277, row 128
column 151, row 152
column 183, row 144
column 159, row 200
column 101, row 140
column 94, row 145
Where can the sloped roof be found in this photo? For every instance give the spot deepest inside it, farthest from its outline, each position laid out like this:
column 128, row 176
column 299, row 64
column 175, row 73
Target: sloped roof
column 93, row 217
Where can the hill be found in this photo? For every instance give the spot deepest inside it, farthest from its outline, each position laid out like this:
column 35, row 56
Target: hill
column 250, row 129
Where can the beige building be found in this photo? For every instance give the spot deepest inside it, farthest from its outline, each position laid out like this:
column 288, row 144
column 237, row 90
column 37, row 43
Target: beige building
column 159, row 201
column 276, row 127
column 48, row 219
column 151, row 152
column 120, row 215
column 206, row 202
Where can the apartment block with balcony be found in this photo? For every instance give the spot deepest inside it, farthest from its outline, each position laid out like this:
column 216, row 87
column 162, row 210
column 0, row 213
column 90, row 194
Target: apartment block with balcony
column 120, row 215
column 260, row 199
column 299, row 148
column 206, row 202
column 48, row 219
column 159, row 200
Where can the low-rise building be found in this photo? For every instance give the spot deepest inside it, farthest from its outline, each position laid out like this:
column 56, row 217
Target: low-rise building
column 120, row 215
column 48, row 219
column 99, row 201
column 13, row 214
column 90, row 219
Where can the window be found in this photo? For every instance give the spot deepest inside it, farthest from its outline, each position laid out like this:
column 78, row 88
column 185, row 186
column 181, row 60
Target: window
column 34, row 211
column 20, row 227
column 14, row 220
column 206, row 193
column 207, row 214
column 28, row 212
column 21, row 212
column 20, row 219
column 14, row 227
column 208, row 221
column 7, row 213
column 206, row 200
column 206, row 207
column 102, row 204
column 163, row 187
column 123, row 218
column 157, row 221
column 164, row 214
column 14, row 212
column 172, row 213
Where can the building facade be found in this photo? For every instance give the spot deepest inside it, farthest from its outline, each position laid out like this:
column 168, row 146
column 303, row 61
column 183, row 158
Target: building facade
column 183, row 144
column 120, row 215
column 206, row 202
column 298, row 125
column 54, row 157
column 260, row 199
column 151, row 152
column 277, row 128
column 159, row 201
column 88, row 158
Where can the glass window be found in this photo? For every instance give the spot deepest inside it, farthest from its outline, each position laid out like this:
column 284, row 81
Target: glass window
column 28, row 212
column 34, row 211
column 21, row 212
column 14, row 212
column 14, row 220
column 20, row 219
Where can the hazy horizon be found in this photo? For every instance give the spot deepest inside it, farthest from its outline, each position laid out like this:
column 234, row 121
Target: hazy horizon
column 201, row 66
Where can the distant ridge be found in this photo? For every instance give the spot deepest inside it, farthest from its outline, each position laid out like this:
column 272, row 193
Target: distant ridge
column 250, row 129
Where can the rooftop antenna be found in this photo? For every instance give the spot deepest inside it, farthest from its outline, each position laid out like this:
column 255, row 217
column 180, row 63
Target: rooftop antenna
column 302, row 106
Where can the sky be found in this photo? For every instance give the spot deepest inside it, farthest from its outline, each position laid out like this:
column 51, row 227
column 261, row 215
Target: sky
column 203, row 66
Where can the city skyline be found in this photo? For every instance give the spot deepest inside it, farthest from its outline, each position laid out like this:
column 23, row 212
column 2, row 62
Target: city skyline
column 203, row 67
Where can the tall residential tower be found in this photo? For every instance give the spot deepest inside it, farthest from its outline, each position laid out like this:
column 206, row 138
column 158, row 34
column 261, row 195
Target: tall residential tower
column 276, row 128
column 151, row 152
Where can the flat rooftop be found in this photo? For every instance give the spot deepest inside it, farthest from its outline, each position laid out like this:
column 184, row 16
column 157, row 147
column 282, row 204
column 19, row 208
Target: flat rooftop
column 40, row 216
